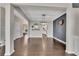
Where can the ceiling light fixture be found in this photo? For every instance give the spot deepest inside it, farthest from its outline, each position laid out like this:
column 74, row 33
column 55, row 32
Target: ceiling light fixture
column 43, row 18
column 43, row 22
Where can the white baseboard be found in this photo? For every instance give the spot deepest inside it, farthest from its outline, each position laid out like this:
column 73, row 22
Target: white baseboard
column 59, row 40
column 49, row 37
column 71, row 52
column 12, row 52
column 17, row 37
column 2, row 44
column 76, row 54
column 41, row 37
column 35, row 37
column 9, row 54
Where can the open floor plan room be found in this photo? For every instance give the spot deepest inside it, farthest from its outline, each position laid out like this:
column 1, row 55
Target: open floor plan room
column 39, row 29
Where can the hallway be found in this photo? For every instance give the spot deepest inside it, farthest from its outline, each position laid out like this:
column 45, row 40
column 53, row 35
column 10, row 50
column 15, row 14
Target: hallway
column 58, row 21
column 35, row 47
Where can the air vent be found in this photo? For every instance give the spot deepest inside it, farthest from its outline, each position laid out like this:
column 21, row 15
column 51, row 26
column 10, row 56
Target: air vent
column 75, row 5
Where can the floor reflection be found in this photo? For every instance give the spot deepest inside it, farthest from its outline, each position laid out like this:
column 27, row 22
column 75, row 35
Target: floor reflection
column 38, row 47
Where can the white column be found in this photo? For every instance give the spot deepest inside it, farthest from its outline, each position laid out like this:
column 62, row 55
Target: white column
column 9, row 42
column 69, row 24
column 71, row 29
column 74, row 31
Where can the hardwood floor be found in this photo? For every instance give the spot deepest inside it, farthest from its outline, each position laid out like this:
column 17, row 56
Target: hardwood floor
column 38, row 47
column 2, row 50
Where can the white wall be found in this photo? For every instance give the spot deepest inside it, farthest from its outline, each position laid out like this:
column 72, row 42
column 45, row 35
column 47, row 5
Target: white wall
column 69, row 30
column 34, row 33
column 18, row 27
column 10, row 27
column 76, row 31
column 38, row 33
column 2, row 25
column 50, row 30
column 72, row 40
column 9, row 20
column 9, row 46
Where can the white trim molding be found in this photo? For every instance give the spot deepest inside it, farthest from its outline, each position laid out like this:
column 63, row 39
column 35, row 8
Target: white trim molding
column 71, row 52
column 35, row 37
column 18, row 37
column 9, row 54
column 59, row 40
column 40, row 37
column 2, row 43
column 49, row 36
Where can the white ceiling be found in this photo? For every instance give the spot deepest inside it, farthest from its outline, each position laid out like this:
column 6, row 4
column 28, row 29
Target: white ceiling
column 34, row 11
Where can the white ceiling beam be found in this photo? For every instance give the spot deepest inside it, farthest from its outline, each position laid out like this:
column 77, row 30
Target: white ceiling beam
column 64, row 5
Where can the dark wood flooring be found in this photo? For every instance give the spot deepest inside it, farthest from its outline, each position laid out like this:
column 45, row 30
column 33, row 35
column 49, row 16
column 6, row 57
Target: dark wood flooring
column 39, row 47
column 2, row 50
